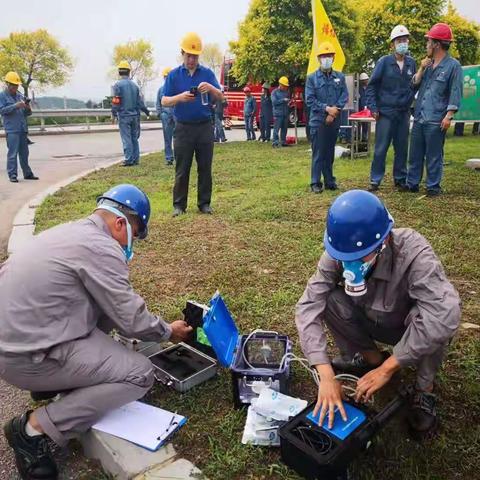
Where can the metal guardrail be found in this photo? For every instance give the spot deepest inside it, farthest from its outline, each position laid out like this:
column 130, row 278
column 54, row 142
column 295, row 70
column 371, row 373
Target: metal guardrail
column 74, row 112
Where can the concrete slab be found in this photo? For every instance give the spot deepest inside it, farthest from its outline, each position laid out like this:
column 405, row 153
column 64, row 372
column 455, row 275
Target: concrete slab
column 21, row 234
column 473, row 163
column 179, row 470
column 121, row 459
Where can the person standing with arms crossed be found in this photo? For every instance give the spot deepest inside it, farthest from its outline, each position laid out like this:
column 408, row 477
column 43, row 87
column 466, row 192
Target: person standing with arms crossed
column 190, row 89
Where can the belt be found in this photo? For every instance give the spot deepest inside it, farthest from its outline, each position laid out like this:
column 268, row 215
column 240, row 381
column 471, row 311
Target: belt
column 197, row 122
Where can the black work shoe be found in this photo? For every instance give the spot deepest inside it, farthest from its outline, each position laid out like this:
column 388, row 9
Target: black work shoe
column 422, row 418
column 407, row 188
column 31, row 177
column 373, row 187
column 333, row 186
column 29, row 142
column 124, row 164
column 433, row 193
column 357, row 365
column 14, row 179
column 177, row 211
column 39, row 396
column 206, row 209
column 32, row 454
column 316, row 188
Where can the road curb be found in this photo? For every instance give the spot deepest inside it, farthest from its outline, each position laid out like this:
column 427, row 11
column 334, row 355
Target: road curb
column 23, row 224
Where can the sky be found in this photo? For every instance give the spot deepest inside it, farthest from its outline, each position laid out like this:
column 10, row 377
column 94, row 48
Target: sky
column 90, row 29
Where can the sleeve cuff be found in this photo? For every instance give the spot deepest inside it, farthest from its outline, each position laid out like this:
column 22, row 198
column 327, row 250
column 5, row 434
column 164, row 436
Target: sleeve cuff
column 318, row 358
column 402, row 356
column 167, row 332
column 452, row 108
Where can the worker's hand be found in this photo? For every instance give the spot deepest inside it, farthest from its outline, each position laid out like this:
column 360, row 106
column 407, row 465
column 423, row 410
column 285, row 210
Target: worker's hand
column 186, row 97
column 21, row 105
column 372, row 382
column 426, row 62
column 376, row 116
column 333, row 111
column 205, row 87
column 329, row 397
column 329, row 119
column 446, row 122
column 180, row 331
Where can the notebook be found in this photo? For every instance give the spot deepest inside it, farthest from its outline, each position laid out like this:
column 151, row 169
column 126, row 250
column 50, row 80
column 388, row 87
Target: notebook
column 145, row 425
column 341, row 429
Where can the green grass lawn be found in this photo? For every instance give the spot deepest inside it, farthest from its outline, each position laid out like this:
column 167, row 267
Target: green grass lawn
column 259, row 249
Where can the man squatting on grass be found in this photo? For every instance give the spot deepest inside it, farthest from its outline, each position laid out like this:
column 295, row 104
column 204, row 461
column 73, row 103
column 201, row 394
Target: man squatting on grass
column 60, row 296
column 377, row 283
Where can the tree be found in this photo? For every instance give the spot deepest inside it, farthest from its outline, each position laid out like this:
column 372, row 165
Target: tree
column 37, row 57
column 275, row 38
column 139, row 53
column 212, row 56
column 466, row 47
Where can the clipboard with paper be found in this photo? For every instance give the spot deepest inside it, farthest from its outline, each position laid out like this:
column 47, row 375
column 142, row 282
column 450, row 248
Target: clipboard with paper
column 145, row 425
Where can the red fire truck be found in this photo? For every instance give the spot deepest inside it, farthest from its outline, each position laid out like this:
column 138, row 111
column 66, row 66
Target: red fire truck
column 235, row 97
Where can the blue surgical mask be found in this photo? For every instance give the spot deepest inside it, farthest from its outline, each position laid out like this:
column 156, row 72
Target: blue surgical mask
column 401, row 48
column 354, row 273
column 326, row 63
column 127, row 249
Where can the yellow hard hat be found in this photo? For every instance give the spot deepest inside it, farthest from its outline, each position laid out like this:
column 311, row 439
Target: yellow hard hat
column 166, row 71
column 124, row 65
column 192, row 43
column 325, row 48
column 283, row 81
column 13, row 77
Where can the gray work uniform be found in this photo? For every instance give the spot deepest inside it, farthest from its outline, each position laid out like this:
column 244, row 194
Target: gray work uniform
column 60, row 293
column 409, row 303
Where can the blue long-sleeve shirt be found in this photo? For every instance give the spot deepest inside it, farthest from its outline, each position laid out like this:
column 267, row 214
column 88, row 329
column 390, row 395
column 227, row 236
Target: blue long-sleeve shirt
column 14, row 119
column 440, row 91
column 158, row 105
column 279, row 103
column 266, row 110
column 390, row 89
column 324, row 90
column 131, row 102
column 249, row 106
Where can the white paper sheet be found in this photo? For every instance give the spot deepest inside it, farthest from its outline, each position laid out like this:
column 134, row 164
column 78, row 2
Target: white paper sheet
column 142, row 424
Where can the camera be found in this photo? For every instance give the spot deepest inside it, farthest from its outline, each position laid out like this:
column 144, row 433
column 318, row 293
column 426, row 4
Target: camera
column 194, row 90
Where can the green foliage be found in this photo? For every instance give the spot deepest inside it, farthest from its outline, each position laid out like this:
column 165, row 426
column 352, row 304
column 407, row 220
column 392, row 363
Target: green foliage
column 37, row 57
column 139, row 53
column 466, row 47
column 418, row 16
column 212, row 56
column 275, row 38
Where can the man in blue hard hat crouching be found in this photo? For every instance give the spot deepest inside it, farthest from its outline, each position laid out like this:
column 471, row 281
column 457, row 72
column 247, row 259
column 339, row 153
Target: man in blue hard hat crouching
column 61, row 295
column 377, row 283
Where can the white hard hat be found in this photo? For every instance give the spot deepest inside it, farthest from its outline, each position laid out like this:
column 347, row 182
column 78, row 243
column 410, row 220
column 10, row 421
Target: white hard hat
column 399, row 31
column 364, row 76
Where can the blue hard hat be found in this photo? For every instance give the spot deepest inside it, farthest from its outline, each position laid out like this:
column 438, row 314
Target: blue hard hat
column 357, row 224
column 133, row 200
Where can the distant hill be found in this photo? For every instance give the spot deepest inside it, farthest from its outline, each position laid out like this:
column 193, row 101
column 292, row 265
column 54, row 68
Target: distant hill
column 57, row 103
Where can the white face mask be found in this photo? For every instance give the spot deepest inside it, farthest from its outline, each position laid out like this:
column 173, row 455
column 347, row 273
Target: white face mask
column 326, row 63
column 127, row 249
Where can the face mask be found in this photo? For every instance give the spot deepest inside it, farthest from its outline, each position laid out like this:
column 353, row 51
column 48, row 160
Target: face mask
column 326, row 63
column 401, row 48
column 354, row 274
column 128, row 249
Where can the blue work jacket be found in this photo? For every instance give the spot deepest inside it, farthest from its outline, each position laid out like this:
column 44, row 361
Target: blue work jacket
column 280, row 106
column 131, row 102
column 440, row 91
column 158, row 104
column 390, row 90
column 266, row 107
column 324, row 90
column 14, row 119
column 249, row 106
